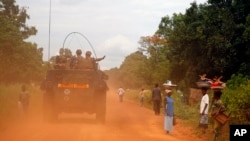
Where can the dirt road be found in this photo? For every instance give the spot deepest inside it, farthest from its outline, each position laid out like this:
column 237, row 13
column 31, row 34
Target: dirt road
column 125, row 121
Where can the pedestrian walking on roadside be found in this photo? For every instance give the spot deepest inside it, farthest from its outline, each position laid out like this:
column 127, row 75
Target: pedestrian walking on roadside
column 141, row 96
column 168, row 111
column 120, row 92
column 204, row 107
column 157, row 99
column 217, row 108
column 24, row 99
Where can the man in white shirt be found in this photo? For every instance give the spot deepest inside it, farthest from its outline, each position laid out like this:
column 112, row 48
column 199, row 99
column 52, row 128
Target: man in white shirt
column 121, row 92
column 204, row 105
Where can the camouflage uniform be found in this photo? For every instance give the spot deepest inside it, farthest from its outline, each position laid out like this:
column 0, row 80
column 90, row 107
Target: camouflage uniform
column 90, row 62
column 79, row 60
column 61, row 60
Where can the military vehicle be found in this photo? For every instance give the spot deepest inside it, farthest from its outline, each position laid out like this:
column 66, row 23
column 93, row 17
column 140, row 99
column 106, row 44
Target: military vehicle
column 74, row 91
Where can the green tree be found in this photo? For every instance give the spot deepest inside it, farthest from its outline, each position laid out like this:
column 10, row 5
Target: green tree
column 237, row 99
column 208, row 38
column 185, row 45
column 240, row 60
column 20, row 61
column 157, row 63
column 133, row 70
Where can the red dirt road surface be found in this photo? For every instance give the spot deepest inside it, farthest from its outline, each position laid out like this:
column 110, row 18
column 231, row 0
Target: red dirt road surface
column 125, row 121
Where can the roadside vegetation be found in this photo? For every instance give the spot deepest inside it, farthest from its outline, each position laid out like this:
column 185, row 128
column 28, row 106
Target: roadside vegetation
column 235, row 97
column 9, row 97
column 210, row 38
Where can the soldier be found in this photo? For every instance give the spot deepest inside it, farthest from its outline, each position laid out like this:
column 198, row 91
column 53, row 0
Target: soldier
column 61, row 60
column 90, row 61
column 79, row 60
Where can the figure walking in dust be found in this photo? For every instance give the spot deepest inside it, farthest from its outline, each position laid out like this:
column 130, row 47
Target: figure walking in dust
column 24, row 99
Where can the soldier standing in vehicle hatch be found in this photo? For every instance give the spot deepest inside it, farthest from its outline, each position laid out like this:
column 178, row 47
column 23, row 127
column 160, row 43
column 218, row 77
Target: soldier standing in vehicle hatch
column 79, row 60
column 90, row 62
column 61, row 60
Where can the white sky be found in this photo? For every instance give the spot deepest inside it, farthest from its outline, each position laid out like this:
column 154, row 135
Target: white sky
column 113, row 27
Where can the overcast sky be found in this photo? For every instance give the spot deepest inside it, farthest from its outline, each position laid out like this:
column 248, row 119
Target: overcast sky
column 113, row 27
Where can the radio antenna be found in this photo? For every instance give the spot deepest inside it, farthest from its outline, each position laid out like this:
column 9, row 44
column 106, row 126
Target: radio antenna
column 49, row 29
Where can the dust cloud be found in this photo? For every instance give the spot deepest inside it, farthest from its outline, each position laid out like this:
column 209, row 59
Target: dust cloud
column 124, row 121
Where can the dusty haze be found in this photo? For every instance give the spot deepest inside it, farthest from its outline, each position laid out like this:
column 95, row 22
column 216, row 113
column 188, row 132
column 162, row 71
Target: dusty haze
column 126, row 121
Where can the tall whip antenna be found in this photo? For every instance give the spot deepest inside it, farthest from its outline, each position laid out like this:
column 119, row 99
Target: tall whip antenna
column 49, row 29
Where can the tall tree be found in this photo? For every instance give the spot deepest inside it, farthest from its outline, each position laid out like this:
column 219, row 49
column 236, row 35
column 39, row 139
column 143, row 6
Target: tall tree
column 184, row 47
column 133, row 70
column 240, row 41
column 20, row 61
column 202, row 41
column 157, row 63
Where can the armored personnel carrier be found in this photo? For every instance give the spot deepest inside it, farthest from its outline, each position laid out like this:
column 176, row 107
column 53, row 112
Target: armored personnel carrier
column 74, row 91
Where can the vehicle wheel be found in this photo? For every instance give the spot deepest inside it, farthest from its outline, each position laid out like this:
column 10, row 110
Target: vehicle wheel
column 100, row 106
column 49, row 113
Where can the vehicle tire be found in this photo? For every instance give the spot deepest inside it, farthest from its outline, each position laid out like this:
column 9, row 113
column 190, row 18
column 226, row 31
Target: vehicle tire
column 49, row 113
column 100, row 106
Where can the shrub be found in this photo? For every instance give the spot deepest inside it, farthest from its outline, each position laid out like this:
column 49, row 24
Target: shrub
column 9, row 97
column 236, row 98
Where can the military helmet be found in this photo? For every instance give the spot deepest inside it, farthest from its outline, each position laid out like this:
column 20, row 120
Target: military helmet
column 88, row 53
column 78, row 52
column 61, row 52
